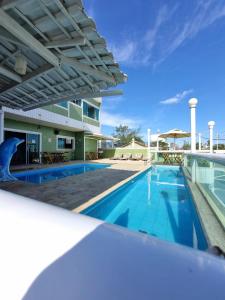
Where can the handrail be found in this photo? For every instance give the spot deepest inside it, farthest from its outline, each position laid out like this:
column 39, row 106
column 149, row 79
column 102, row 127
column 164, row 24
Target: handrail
column 218, row 158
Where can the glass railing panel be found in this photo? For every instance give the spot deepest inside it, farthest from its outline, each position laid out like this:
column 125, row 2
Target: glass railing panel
column 209, row 176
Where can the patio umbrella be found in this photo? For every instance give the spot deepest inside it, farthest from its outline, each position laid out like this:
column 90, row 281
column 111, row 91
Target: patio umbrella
column 175, row 133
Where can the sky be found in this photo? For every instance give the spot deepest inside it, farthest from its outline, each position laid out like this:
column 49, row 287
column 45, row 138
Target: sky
column 171, row 51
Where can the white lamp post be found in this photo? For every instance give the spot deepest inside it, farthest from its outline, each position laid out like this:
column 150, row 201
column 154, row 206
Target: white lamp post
column 192, row 104
column 199, row 141
column 149, row 143
column 211, row 124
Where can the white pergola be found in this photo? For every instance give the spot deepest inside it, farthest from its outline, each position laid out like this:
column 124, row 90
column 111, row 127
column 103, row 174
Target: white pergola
column 66, row 58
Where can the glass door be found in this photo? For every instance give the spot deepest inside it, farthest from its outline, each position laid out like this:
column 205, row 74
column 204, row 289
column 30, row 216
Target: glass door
column 19, row 158
column 33, row 148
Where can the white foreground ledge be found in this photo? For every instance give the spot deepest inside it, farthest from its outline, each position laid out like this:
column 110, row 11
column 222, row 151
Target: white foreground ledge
column 50, row 253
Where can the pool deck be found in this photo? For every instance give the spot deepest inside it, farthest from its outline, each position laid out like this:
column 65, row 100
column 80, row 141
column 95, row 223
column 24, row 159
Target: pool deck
column 74, row 192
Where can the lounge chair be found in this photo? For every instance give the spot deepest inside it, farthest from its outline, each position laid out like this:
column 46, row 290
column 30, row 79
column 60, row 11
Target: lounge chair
column 117, row 157
column 138, row 156
column 127, row 156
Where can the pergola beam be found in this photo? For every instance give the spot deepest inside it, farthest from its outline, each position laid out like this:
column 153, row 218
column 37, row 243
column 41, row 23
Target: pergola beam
column 19, row 32
column 11, row 75
column 87, row 69
column 5, row 35
column 27, row 78
column 65, row 43
column 70, row 97
column 7, row 4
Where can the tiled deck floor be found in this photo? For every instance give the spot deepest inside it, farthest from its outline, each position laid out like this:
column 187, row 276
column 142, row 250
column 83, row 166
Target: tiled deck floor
column 72, row 191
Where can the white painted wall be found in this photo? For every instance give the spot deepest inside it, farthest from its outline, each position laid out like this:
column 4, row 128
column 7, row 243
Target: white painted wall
column 48, row 118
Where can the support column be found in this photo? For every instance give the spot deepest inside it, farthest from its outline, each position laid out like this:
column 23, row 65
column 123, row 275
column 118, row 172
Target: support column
column 199, row 141
column 192, row 104
column 211, row 124
column 1, row 125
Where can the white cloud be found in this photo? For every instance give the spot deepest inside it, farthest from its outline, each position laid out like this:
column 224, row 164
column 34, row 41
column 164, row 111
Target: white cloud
column 113, row 120
column 155, row 44
column 177, row 98
column 125, row 52
column 111, row 103
column 205, row 14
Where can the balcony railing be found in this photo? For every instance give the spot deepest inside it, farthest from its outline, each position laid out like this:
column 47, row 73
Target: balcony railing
column 208, row 173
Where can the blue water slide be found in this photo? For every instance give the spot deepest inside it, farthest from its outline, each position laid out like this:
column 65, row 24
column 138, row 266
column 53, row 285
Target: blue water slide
column 7, row 150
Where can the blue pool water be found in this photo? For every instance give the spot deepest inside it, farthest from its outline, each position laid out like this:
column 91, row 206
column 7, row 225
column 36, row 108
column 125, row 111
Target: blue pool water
column 44, row 175
column 158, row 203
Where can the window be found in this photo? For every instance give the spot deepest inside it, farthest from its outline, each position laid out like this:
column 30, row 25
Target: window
column 65, row 143
column 90, row 111
column 63, row 104
column 77, row 102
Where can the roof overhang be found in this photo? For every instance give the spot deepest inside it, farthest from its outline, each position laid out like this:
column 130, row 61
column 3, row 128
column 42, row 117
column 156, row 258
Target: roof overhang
column 101, row 137
column 66, row 57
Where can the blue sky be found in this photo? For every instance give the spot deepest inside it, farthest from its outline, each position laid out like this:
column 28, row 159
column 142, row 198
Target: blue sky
column 171, row 51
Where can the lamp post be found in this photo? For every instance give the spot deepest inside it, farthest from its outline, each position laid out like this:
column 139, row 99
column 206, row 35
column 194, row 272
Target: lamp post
column 211, row 124
column 192, row 104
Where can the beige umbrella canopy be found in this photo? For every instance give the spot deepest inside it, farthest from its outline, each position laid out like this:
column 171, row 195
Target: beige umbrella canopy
column 175, row 133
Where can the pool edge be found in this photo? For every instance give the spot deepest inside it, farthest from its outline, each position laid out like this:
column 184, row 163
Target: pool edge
column 212, row 228
column 108, row 191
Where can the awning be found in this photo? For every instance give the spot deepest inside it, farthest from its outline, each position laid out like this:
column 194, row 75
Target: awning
column 99, row 136
column 50, row 51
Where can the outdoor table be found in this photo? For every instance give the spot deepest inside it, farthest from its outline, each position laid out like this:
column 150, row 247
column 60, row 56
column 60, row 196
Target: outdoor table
column 53, row 157
column 58, row 156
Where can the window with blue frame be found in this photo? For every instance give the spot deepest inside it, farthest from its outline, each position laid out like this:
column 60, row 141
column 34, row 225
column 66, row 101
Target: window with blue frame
column 90, row 111
column 65, row 143
column 63, row 104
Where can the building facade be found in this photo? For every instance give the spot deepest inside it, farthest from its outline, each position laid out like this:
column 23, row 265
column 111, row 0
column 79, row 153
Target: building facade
column 69, row 127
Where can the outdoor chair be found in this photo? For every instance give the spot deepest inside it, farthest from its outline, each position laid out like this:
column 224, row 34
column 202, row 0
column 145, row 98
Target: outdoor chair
column 138, row 156
column 117, row 157
column 127, row 156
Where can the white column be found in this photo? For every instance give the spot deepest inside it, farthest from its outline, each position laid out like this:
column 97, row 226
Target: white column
column 211, row 124
column 1, row 125
column 149, row 143
column 199, row 141
column 192, row 104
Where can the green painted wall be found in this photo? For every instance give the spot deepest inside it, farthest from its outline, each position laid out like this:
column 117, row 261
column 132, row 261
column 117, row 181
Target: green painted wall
column 108, row 153
column 90, row 145
column 91, row 121
column 48, row 135
column 79, row 145
column 57, row 109
column 75, row 112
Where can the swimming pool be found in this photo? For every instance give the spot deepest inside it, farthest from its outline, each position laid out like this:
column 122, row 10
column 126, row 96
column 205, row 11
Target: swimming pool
column 45, row 175
column 157, row 202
